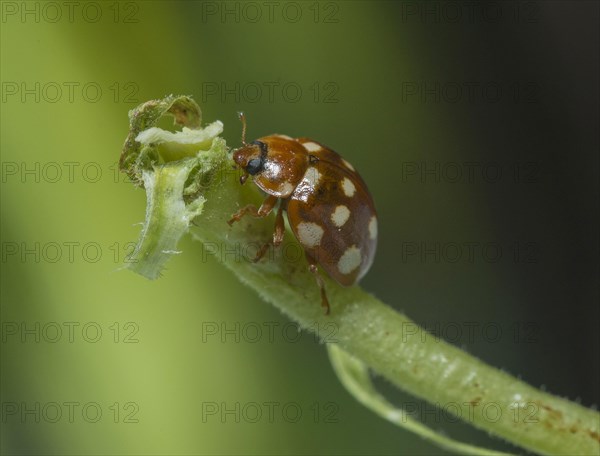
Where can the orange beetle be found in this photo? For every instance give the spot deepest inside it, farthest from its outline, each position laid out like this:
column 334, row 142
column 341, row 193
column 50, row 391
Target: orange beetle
column 328, row 205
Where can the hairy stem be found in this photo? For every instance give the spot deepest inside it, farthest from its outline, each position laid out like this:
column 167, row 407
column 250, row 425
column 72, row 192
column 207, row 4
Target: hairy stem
column 354, row 375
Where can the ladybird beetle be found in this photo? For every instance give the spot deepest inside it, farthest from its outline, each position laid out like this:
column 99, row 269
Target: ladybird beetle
column 328, row 205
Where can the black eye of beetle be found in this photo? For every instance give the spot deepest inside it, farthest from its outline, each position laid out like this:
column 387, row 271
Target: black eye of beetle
column 254, row 165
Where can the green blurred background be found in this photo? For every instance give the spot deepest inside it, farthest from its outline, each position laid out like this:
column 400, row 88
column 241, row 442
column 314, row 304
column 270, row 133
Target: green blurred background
column 397, row 88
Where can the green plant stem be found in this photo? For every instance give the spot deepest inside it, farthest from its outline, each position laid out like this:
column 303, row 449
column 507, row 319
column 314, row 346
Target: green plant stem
column 354, row 375
column 383, row 339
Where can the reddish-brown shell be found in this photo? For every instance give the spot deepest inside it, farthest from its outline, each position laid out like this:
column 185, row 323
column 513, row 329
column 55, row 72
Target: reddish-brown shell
column 330, row 209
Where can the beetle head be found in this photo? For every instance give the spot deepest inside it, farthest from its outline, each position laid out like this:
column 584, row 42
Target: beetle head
column 251, row 158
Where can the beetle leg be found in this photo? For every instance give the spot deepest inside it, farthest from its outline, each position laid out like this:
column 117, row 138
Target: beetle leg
column 312, row 267
column 264, row 210
column 277, row 235
column 279, row 227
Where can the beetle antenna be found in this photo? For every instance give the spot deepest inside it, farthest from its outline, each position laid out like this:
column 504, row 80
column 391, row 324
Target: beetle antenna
column 242, row 117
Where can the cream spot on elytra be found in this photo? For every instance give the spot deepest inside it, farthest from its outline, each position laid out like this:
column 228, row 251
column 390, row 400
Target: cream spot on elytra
column 350, row 260
column 340, row 215
column 312, row 176
column 309, row 234
column 311, row 146
column 348, row 186
column 373, row 228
